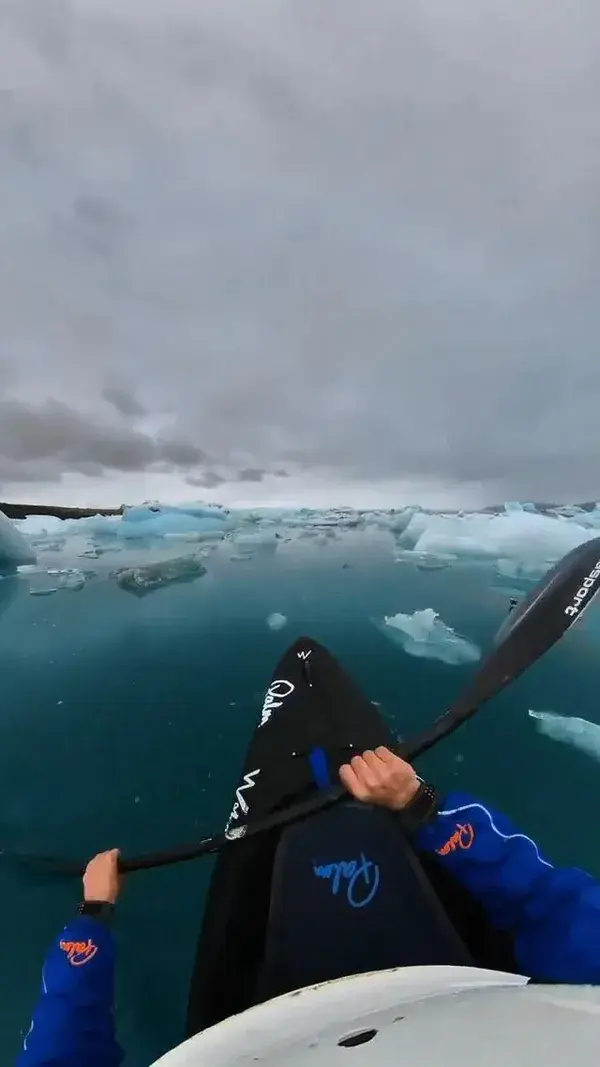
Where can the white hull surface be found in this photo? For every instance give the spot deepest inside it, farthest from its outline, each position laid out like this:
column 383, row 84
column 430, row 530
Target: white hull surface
column 437, row 1016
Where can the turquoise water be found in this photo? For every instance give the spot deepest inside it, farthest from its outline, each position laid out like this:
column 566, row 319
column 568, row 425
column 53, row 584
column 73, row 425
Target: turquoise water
column 124, row 723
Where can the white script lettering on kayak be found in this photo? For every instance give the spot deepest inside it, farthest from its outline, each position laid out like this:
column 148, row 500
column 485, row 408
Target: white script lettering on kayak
column 352, row 871
column 303, row 654
column 584, row 590
column 276, row 694
column 241, row 804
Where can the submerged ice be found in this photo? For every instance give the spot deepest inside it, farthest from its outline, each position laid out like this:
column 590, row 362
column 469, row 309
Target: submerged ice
column 425, row 635
column 570, row 730
column 146, row 579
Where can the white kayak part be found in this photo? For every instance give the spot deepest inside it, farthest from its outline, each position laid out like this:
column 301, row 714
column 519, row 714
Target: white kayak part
column 438, row 1016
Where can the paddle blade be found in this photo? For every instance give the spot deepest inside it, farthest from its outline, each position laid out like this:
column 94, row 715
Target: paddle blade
column 546, row 613
column 541, row 619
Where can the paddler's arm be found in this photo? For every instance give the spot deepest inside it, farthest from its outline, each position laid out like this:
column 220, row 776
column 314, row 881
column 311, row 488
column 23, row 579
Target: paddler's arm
column 552, row 913
column 73, row 1022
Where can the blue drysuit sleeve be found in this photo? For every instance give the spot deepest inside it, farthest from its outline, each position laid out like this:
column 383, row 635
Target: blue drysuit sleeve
column 73, row 1022
column 552, row 913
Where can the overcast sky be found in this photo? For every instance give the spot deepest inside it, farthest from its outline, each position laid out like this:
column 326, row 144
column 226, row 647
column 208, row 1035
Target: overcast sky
column 354, row 244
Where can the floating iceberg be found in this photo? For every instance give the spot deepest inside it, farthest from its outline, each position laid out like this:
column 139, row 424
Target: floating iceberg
column 523, row 541
column 14, row 549
column 156, row 512
column 276, row 621
column 570, row 730
column 258, row 539
column 146, row 579
column 41, row 526
column 533, row 539
column 427, row 561
column 424, row 634
column 143, row 523
column 72, row 579
column 192, row 536
column 258, row 543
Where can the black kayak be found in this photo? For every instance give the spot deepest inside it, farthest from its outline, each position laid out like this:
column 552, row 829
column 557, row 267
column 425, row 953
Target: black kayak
column 342, row 892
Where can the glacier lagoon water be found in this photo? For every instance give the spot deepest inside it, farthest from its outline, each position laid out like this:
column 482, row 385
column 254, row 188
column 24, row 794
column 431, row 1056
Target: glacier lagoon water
column 133, row 668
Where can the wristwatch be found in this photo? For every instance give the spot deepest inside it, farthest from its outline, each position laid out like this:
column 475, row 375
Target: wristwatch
column 420, row 809
column 97, row 909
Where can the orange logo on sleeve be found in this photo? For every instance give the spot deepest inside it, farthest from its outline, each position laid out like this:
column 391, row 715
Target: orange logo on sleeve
column 463, row 837
column 79, row 952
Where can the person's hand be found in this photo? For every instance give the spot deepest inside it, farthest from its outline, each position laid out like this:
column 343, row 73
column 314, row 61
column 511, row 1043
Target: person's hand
column 380, row 777
column 102, row 881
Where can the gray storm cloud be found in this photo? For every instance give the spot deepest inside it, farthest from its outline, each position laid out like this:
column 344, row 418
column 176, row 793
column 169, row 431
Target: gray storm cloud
column 123, row 401
column 53, row 436
column 360, row 237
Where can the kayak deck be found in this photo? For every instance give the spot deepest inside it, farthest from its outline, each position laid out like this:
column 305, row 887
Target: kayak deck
column 314, row 718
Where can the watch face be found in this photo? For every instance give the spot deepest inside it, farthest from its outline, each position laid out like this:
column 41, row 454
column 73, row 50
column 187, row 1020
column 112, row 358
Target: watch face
column 94, row 907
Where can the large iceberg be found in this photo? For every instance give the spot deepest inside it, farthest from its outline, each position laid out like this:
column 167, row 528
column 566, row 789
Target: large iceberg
column 522, row 542
column 156, row 511
column 159, row 521
column 424, row 634
column 570, row 730
column 14, row 549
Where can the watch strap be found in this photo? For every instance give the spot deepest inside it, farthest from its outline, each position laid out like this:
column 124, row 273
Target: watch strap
column 421, row 809
column 97, row 909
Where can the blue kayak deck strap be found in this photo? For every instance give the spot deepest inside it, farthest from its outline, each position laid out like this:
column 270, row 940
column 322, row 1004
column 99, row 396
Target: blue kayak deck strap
column 319, row 765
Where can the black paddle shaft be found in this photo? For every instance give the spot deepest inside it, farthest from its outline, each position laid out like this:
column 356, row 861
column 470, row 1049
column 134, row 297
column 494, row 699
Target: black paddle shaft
column 541, row 619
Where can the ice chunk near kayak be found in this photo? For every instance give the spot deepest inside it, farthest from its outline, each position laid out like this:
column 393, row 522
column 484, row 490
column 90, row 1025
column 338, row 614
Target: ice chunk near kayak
column 524, row 570
column 276, row 621
column 14, row 549
column 146, row 579
column 425, row 635
column 570, row 730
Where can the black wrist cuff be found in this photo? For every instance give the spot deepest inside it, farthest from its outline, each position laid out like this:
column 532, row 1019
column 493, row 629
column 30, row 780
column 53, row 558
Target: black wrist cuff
column 97, row 909
column 422, row 808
